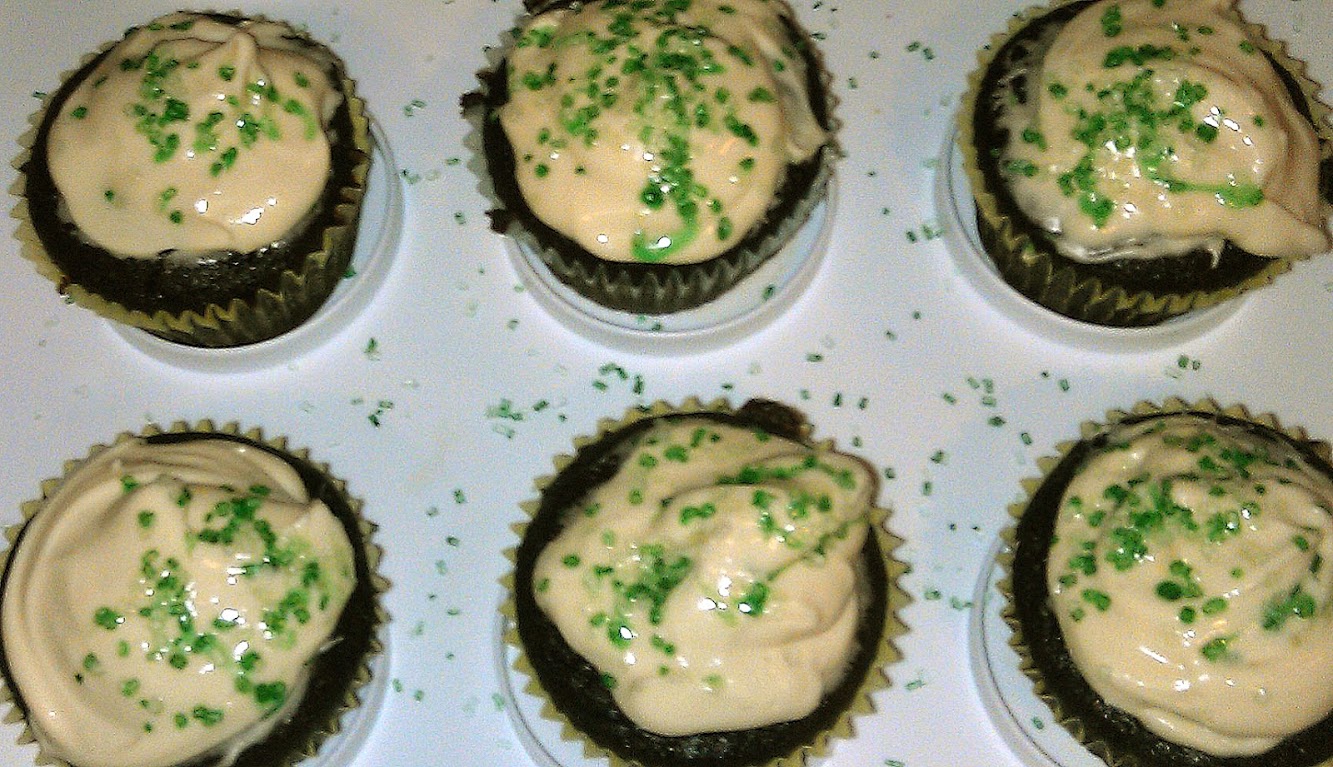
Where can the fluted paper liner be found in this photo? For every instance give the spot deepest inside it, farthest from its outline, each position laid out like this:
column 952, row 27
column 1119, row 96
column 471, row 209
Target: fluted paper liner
column 245, row 319
column 1058, row 283
column 1107, row 751
column 876, row 676
column 302, row 744
column 652, row 289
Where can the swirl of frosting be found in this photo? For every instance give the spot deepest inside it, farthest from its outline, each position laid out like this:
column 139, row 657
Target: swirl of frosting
column 1153, row 127
column 1192, row 576
column 196, row 135
column 713, row 580
column 657, row 131
column 164, row 603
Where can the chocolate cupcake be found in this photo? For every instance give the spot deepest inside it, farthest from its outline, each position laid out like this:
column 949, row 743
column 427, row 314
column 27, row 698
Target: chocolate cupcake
column 702, row 586
column 194, row 597
column 654, row 154
column 1134, row 160
column 201, row 179
column 1169, row 591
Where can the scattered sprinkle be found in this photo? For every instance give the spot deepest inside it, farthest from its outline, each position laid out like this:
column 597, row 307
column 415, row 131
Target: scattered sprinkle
column 926, row 52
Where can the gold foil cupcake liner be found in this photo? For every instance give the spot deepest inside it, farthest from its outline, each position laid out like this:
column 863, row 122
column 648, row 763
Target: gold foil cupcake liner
column 876, row 677
column 308, row 744
column 1050, row 280
column 664, row 288
column 245, row 320
column 1107, row 752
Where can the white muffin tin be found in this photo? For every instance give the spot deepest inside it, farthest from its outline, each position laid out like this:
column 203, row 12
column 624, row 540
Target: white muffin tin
column 446, row 380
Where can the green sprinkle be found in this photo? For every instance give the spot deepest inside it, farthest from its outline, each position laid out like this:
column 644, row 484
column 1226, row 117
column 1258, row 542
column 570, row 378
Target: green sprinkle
column 270, row 696
column 1216, row 649
column 1098, row 599
column 1297, row 604
column 762, row 96
column 1112, row 21
column 1170, row 590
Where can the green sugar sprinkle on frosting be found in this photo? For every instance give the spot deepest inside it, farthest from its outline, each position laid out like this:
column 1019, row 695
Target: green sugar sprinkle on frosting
column 161, row 116
column 1123, row 113
column 180, row 636
column 641, row 582
column 1188, row 523
column 655, row 64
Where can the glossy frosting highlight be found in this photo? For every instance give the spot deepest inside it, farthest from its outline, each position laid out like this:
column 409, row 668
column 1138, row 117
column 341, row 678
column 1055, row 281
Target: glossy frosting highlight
column 195, row 135
column 165, row 601
column 1152, row 128
column 658, row 131
column 1192, row 575
column 713, row 579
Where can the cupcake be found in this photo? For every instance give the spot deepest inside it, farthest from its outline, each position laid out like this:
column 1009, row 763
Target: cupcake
column 195, row 597
column 1134, row 160
column 653, row 154
column 201, row 179
column 1169, row 593
column 700, row 586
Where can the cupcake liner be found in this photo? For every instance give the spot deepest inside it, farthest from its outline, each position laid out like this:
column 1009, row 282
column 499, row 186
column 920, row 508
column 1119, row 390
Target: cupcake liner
column 1098, row 737
column 268, row 312
column 1087, row 293
column 650, row 289
column 342, row 671
column 858, row 701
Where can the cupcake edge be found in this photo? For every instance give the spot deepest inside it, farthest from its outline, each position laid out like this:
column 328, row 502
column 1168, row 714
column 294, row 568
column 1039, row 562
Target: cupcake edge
column 1046, row 278
column 367, row 550
column 875, row 678
column 270, row 313
column 1088, row 429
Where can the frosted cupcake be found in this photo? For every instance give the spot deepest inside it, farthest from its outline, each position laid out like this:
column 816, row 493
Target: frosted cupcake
column 1133, row 160
column 1170, row 594
column 653, row 154
column 705, row 587
column 189, row 598
column 201, row 179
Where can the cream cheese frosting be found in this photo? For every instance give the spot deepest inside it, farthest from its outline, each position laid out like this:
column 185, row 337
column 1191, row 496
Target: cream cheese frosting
column 195, row 135
column 165, row 601
column 713, row 580
column 1190, row 574
column 1154, row 127
column 657, row 131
